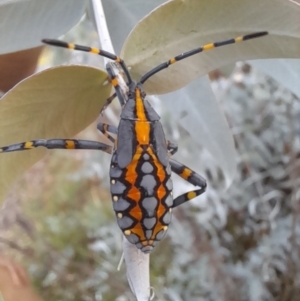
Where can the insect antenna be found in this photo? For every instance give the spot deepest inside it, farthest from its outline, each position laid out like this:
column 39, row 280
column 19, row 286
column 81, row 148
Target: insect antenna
column 94, row 50
column 198, row 50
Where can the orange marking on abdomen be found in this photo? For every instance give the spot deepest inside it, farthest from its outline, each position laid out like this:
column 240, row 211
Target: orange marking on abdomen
column 131, row 174
column 137, row 229
column 160, row 168
column 134, row 193
column 161, row 192
column 157, row 228
column 136, row 213
column 160, row 171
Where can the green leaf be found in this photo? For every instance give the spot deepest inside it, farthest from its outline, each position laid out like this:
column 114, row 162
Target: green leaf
column 56, row 103
column 25, row 22
column 180, row 26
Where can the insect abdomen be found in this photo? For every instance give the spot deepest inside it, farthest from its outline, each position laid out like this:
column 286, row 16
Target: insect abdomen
column 142, row 197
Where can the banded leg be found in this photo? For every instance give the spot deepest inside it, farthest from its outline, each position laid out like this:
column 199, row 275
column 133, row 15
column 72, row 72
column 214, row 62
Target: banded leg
column 57, row 144
column 105, row 128
column 191, row 177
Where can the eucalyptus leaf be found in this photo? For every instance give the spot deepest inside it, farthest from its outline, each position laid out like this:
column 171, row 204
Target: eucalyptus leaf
column 178, row 26
column 56, row 103
column 24, row 23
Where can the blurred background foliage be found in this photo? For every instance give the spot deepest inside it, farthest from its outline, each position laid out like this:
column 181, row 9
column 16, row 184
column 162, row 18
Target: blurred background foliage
column 238, row 245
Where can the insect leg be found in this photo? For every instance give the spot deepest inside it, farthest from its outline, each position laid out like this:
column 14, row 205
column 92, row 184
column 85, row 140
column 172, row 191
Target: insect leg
column 57, row 144
column 190, row 176
column 105, row 128
column 198, row 50
column 120, row 92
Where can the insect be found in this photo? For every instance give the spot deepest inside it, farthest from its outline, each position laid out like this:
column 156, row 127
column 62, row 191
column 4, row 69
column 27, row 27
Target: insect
column 141, row 164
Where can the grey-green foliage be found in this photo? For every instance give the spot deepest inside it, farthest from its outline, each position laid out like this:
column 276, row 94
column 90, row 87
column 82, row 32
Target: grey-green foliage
column 265, row 118
column 246, row 247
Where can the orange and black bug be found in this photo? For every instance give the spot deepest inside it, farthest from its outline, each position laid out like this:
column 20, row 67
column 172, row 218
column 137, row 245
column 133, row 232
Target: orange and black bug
column 140, row 171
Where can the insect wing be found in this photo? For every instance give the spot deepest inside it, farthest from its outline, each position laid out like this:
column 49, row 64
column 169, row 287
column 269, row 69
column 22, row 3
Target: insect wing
column 159, row 143
column 126, row 145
